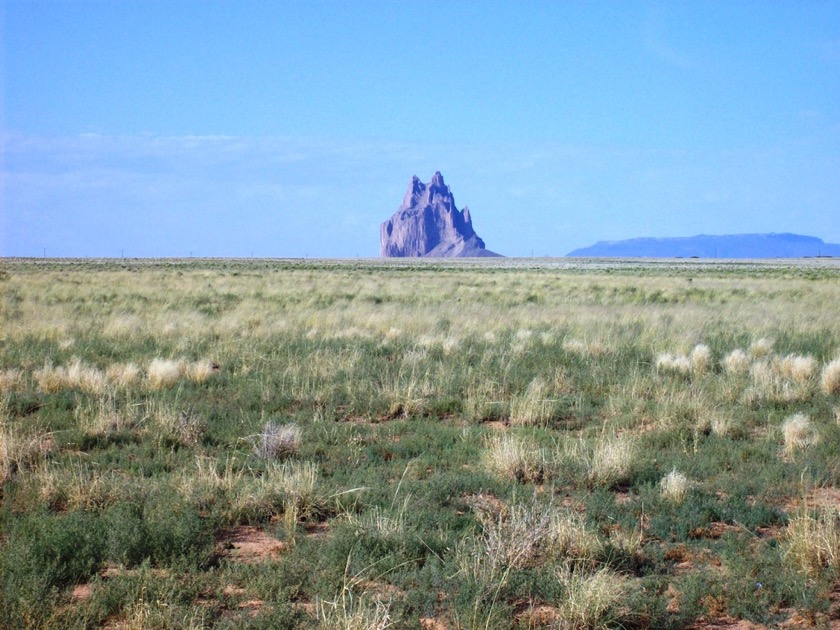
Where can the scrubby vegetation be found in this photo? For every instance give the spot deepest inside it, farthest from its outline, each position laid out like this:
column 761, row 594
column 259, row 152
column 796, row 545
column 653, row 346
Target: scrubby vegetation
column 419, row 444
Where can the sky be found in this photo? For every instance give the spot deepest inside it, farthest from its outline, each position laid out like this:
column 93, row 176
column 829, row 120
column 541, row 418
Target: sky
column 146, row 128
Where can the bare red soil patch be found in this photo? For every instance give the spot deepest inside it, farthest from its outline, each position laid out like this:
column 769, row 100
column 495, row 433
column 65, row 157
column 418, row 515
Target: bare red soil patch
column 250, row 544
column 82, row 592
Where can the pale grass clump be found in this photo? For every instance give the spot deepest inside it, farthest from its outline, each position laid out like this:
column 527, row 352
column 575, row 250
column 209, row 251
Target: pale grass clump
column 736, row 362
column 123, row 325
column 799, row 433
column 584, row 348
column 207, row 477
column 77, row 486
column 200, row 371
column 722, row 426
column 85, row 377
column 450, row 346
column 761, row 348
column 676, row 364
column 813, row 542
column 674, row 487
column 590, row 600
column 533, row 408
column 244, row 495
column 11, row 380
column 768, row 382
column 523, row 535
column 142, row 615
column 50, row 379
column 351, row 612
column 105, row 415
column 516, row 537
column 698, row 361
column 569, row 538
column 575, row 346
column 123, row 374
column 386, row 522
column 296, row 480
column 830, row 378
column 513, row 458
column 77, row 375
column 180, row 425
column 611, row 461
column 798, row 368
column 524, row 334
column 700, row 358
column 276, row 440
column 163, row 373
column 19, row 451
column 627, row 541
column 484, row 400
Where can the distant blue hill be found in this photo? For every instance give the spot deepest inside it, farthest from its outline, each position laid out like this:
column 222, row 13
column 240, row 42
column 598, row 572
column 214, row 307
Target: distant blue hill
column 704, row 246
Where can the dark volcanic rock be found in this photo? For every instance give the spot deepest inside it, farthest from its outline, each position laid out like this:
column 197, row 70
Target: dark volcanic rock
column 428, row 224
column 703, row 246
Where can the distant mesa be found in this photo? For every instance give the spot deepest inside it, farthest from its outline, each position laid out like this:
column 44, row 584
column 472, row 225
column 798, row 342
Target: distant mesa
column 429, row 225
column 703, row 246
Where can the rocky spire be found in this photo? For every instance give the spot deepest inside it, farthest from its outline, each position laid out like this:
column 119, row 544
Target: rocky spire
column 428, row 223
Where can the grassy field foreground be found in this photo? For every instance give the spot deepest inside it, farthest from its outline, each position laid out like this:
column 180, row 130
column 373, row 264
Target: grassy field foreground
column 415, row 444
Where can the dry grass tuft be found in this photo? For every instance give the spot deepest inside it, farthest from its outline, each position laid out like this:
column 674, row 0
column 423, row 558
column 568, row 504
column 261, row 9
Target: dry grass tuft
column 104, row 415
column 591, row 601
column 569, row 538
column 517, row 537
column 798, row 368
column 700, row 358
column 77, row 375
column 698, row 361
column 830, row 378
column 180, row 425
column 667, row 362
column 611, row 461
column 163, row 373
column 277, row 440
column 799, row 433
column 736, row 362
column 534, row 407
column 77, row 486
column 200, row 371
column 18, row 451
column 674, row 487
column 770, row 382
column 143, row 615
column 722, row 426
column 584, row 348
column 761, row 348
column 351, row 612
column 123, row 374
column 11, row 380
column 813, row 542
column 513, row 458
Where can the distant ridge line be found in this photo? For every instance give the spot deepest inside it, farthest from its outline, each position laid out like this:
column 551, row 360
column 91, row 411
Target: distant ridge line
column 770, row 245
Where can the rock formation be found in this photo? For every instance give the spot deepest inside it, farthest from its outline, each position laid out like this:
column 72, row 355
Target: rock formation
column 428, row 224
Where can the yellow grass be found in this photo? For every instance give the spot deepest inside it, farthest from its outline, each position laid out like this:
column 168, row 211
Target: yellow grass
column 830, row 378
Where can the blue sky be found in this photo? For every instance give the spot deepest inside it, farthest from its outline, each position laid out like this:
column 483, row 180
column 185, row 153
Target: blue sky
column 150, row 128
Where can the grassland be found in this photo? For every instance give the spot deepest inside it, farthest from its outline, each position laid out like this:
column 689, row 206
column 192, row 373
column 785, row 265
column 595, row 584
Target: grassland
column 416, row 444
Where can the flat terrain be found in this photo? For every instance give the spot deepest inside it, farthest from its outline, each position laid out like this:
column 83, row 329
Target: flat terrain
column 500, row 443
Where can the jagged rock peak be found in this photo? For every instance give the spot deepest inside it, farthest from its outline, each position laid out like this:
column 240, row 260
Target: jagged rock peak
column 429, row 224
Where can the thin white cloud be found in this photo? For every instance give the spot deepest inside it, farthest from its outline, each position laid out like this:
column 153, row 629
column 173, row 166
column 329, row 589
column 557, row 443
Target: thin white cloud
column 656, row 41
